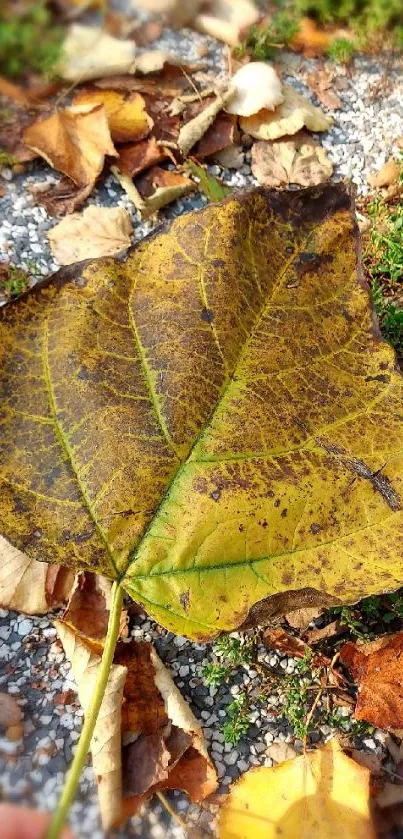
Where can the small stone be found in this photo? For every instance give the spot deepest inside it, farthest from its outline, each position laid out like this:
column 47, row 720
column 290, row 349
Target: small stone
column 25, row 627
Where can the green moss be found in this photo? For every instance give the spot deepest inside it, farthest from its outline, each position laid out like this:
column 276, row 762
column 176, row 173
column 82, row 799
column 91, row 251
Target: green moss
column 264, row 42
column 29, row 40
column 341, row 50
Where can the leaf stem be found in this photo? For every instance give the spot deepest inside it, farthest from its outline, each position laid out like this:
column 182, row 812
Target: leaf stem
column 74, row 773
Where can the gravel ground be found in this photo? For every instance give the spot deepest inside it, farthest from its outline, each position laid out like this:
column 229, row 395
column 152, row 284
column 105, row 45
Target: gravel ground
column 33, row 667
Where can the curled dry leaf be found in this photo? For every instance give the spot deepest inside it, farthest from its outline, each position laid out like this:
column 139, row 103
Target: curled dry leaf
column 163, row 744
column 256, row 86
column 333, row 486
column 30, row 586
column 10, row 711
column 61, row 198
column 293, row 114
column 323, row 793
column 377, row 667
column 388, row 174
column 226, row 19
column 220, row 135
column 279, row 639
column 89, row 53
column 159, row 187
column 127, row 116
column 96, row 232
column 197, row 127
column 301, row 618
column 297, row 161
column 134, row 158
column 87, row 611
column 73, row 143
column 321, row 83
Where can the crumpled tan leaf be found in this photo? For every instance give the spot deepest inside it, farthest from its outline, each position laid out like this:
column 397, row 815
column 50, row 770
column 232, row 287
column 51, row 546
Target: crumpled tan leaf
column 96, row 232
column 197, row 127
column 89, row 53
column 74, row 143
column 143, row 712
column 293, row 114
column 257, row 86
column 296, row 161
column 128, row 119
column 388, row 174
column 30, row 586
column 226, row 19
column 320, row 794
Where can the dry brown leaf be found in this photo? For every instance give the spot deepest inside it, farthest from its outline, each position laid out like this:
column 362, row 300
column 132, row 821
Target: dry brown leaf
column 295, row 112
column 388, row 174
column 315, row 636
column 197, row 127
column 127, row 116
column 163, row 744
column 73, row 143
column 147, row 32
column 96, row 232
column 226, row 19
column 297, row 161
column 279, row 639
column 90, row 53
column 61, row 198
column 310, row 39
column 256, row 86
column 281, row 751
column 377, row 667
column 368, row 759
column 159, row 187
column 168, row 83
column 10, row 711
column 321, row 84
column 29, row 586
column 134, row 158
column 12, row 127
column 218, row 136
column 87, row 611
column 390, row 795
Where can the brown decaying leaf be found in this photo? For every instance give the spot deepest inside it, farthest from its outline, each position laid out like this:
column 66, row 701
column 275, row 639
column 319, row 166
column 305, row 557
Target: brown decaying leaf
column 279, row 639
column 310, row 39
column 12, row 128
column 29, row 586
column 136, row 157
column 218, row 136
column 321, row 83
column 163, row 744
column 377, row 667
column 315, row 636
column 96, row 232
column 295, row 112
column 197, row 127
column 166, row 125
column 10, row 711
column 301, row 618
column 73, row 143
column 294, row 161
column 87, row 611
column 63, row 197
column 127, row 117
column 388, row 174
column 169, row 83
column 159, row 187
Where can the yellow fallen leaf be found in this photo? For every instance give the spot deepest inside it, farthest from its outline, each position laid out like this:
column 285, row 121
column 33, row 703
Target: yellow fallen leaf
column 73, row 142
column 90, row 53
column 97, row 231
column 320, row 795
column 298, row 161
column 127, row 117
column 30, row 586
column 159, row 187
column 293, row 114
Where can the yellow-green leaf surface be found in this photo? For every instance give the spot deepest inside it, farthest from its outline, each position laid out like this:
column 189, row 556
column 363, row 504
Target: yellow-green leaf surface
column 216, row 420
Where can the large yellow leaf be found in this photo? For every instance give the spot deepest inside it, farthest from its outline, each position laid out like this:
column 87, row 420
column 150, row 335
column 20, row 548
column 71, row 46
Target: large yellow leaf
column 215, row 420
column 320, row 795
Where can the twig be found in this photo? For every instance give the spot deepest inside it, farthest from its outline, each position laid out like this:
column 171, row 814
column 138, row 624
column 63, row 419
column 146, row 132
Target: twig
column 74, row 773
column 188, row 831
column 315, row 704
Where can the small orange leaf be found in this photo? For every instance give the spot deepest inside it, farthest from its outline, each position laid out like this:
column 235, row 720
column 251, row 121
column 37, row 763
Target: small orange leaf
column 377, row 667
